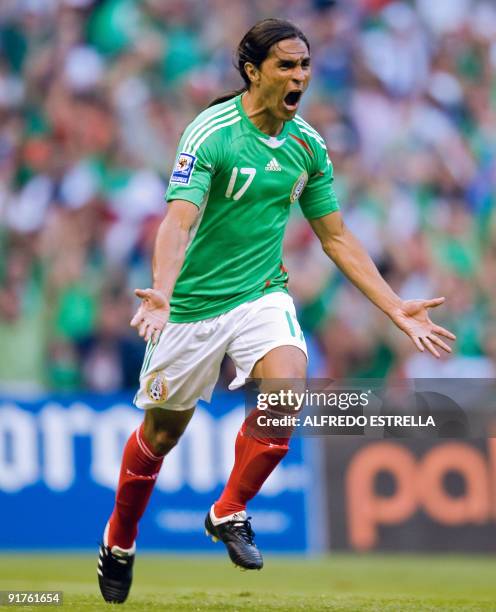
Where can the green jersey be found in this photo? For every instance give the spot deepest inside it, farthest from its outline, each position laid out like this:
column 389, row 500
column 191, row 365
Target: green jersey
column 244, row 183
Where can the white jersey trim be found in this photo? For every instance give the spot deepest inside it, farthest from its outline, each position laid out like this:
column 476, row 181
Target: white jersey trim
column 198, row 127
column 301, row 122
column 201, row 131
column 313, row 136
column 212, row 130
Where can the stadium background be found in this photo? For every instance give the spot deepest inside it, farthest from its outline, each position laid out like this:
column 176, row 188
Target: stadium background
column 94, row 95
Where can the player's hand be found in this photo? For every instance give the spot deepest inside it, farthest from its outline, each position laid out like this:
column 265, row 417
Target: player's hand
column 412, row 318
column 152, row 315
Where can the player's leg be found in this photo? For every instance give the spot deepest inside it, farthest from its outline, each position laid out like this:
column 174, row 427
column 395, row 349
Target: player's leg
column 180, row 369
column 267, row 344
column 257, row 455
column 141, row 462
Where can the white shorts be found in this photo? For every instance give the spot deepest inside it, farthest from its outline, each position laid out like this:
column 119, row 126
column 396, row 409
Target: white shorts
column 184, row 365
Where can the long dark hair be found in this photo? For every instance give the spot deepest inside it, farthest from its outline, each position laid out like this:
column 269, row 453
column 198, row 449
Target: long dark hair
column 255, row 46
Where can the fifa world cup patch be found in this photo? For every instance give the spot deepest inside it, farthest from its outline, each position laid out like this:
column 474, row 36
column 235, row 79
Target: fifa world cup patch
column 184, row 168
column 156, row 387
column 298, row 187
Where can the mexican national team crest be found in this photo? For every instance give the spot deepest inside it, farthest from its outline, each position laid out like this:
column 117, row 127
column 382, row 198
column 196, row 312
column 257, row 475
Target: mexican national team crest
column 184, row 168
column 156, row 387
column 298, row 187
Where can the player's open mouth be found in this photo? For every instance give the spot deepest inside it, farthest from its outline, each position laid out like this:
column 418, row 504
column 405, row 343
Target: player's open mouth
column 292, row 99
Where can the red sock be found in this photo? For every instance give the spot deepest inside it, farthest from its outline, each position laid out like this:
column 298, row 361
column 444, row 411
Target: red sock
column 255, row 458
column 139, row 471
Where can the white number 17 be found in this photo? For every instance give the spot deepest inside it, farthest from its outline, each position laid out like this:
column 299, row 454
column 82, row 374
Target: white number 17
column 250, row 174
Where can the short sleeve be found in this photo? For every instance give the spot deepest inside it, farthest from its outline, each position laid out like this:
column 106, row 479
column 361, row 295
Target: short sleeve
column 192, row 173
column 318, row 197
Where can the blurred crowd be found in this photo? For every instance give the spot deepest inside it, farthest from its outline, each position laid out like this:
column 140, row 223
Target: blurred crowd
column 94, row 95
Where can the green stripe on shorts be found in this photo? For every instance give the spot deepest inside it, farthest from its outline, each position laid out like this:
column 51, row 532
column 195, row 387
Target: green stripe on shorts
column 290, row 323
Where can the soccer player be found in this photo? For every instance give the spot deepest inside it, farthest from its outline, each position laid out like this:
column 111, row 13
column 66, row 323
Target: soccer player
column 219, row 286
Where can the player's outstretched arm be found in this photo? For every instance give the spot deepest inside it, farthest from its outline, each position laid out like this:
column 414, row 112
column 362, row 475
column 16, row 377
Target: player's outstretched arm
column 168, row 257
column 411, row 316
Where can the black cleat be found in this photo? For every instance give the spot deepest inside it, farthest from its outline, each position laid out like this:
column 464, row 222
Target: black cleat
column 115, row 573
column 238, row 537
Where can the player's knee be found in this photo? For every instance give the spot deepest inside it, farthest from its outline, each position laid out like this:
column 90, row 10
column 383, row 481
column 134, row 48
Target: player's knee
column 164, row 441
column 295, row 368
column 287, row 363
column 163, row 428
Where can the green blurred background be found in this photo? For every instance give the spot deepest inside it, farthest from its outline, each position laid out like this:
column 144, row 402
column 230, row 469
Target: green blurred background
column 94, row 95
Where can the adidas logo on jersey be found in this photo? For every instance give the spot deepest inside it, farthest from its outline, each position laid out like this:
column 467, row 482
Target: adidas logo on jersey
column 273, row 166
